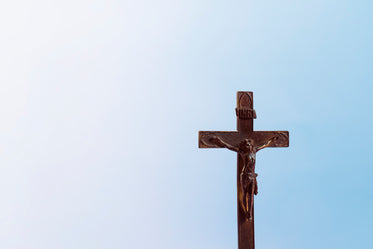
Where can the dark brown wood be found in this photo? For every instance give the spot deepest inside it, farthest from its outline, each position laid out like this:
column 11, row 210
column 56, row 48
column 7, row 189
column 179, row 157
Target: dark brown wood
column 234, row 138
column 246, row 143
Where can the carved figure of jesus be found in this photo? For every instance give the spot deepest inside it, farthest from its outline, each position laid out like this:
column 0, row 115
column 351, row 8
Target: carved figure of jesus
column 247, row 151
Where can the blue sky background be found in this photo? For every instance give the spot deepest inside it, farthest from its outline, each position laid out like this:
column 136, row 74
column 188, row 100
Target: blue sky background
column 101, row 103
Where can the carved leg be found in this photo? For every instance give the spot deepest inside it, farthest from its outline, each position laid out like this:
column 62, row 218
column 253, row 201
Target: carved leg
column 243, row 199
column 252, row 200
column 256, row 187
column 247, row 202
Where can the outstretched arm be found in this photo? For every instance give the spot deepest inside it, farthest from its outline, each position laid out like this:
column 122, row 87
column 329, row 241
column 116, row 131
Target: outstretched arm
column 216, row 140
column 266, row 144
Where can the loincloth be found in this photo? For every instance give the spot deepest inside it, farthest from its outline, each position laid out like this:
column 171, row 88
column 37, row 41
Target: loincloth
column 248, row 180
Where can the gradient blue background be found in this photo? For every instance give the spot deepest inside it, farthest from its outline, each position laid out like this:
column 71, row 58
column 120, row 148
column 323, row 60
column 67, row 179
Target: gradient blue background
column 101, row 103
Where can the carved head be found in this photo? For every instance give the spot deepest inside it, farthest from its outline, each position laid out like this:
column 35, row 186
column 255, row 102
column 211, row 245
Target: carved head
column 247, row 144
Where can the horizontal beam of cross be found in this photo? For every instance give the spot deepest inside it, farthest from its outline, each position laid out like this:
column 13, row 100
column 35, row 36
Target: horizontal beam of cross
column 234, row 138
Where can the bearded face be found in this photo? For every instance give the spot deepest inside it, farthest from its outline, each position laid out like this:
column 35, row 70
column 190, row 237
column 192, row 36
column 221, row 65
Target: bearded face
column 247, row 144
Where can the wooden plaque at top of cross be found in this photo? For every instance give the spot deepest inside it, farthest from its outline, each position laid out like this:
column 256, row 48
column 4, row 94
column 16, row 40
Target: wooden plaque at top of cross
column 246, row 142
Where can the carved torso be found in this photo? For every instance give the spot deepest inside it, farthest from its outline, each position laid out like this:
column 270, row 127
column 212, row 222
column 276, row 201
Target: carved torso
column 248, row 157
column 248, row 175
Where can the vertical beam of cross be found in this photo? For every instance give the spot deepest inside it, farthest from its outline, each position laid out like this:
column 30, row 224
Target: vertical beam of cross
column 245, row 124
column 236, row 141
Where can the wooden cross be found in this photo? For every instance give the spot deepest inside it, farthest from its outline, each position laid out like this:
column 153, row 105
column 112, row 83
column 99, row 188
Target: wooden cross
column 246, row 142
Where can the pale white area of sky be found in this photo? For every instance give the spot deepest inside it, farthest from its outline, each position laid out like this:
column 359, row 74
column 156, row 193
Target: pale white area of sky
column 101, row 102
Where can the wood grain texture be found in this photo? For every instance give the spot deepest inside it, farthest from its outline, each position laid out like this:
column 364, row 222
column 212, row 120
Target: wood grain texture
column 235, row 138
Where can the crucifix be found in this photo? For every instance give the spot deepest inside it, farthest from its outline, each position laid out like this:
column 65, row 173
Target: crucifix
column 246, row 142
